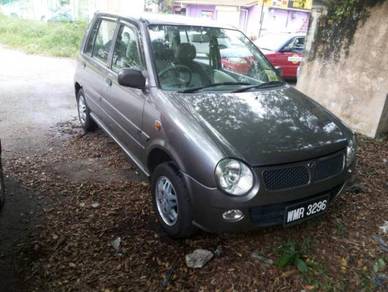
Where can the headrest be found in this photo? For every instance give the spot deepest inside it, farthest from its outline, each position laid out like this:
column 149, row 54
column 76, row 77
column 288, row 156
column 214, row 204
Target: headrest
column 161, row 51
column 185, row 52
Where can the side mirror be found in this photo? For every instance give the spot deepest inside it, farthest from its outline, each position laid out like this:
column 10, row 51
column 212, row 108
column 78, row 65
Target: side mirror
column 279, row 70
column 131, row 78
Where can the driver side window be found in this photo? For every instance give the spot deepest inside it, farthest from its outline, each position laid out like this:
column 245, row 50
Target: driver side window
column 296, row 45
column 126, row 52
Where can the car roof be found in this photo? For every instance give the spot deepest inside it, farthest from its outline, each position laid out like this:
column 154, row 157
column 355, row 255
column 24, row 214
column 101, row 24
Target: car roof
column 169, row 19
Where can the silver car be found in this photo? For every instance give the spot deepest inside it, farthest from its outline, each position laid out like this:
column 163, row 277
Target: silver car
column 226, row 149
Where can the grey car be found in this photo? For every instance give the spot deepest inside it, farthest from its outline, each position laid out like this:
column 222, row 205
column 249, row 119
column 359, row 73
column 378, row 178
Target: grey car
column 225, row 151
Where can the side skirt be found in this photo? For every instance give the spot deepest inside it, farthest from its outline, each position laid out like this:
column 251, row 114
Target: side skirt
column 130, row 155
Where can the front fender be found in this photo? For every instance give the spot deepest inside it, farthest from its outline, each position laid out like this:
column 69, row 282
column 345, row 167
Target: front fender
column 182, row 138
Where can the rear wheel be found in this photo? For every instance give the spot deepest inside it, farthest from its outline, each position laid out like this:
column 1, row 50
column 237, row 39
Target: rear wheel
column 87, row 122
column 171, row 201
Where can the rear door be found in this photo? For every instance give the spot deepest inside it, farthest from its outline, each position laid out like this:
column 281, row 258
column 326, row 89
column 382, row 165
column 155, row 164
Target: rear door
column 123, row 104
column 95, row 64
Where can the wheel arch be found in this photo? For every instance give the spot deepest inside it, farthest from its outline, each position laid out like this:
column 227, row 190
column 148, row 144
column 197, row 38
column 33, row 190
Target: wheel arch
column 77, row 88
column 158, row 155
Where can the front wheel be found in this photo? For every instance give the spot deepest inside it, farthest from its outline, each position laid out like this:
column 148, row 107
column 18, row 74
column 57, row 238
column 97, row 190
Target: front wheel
column 171, row 201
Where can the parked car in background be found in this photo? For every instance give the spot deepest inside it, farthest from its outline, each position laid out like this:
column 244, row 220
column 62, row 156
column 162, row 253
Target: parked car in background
column 237, row 59
column 226, row 149
column 2, row 185
column 284, row 51
column 201, row 42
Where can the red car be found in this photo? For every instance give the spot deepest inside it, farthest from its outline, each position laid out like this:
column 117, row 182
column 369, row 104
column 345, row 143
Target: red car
column 238, row 60
column 284, row 52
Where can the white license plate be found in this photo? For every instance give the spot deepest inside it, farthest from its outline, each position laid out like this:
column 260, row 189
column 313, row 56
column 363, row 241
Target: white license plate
column 305, row 210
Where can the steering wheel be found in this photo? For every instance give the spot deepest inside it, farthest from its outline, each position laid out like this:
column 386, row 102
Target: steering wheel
column 179, row 69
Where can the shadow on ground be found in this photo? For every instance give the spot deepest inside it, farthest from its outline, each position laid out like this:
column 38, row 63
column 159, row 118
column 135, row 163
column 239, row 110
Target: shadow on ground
column 18, row 220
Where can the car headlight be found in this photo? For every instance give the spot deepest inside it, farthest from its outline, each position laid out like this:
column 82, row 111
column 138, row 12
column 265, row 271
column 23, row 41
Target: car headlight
column 234, row 177
column 351, row 151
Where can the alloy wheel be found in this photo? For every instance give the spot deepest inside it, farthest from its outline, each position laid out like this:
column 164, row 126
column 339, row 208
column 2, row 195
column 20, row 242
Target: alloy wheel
column 166, row 201
column 82, row 109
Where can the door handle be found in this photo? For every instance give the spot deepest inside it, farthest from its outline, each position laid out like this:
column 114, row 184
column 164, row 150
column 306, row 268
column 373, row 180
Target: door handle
column 108, row 82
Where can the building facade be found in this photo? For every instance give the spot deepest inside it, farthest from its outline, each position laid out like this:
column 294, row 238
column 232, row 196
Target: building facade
column 256, row 18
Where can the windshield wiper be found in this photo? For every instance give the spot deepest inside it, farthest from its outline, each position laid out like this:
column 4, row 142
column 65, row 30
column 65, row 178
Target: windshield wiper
column 258, row 86
column 195, row 89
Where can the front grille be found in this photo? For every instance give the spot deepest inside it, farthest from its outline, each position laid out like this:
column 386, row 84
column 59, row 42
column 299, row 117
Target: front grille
column 273, row 214
column 328, row 167
column 297, row 175
column 283, row 178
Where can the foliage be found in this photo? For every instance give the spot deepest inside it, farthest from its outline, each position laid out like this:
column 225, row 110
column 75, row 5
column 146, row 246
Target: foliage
column 336, row 29
column 379, row 265
column 36, row 37
column 313, row 273
column 291, row 253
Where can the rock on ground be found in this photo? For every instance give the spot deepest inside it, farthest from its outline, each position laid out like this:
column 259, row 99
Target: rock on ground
column 199, row 258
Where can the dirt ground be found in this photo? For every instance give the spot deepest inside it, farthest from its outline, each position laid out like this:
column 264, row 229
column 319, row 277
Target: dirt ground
column 72, row 196
column 35, row 93
column 97, row 203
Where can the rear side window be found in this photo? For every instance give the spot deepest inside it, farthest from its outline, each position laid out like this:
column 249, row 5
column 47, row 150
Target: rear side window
column 104, row 40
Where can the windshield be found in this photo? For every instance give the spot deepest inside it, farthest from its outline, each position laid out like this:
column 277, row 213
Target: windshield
column 207, row 58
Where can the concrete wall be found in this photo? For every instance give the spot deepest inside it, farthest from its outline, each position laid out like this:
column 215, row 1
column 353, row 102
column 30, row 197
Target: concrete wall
column 356, row 86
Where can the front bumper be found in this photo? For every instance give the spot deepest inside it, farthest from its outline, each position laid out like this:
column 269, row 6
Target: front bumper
column 261, row 208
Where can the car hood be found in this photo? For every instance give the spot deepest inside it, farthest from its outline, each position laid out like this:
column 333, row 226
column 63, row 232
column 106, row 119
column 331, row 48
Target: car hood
column 266, row 127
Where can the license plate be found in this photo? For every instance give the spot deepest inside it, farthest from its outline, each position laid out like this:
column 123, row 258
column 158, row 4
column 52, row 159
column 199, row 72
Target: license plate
column 305, row 210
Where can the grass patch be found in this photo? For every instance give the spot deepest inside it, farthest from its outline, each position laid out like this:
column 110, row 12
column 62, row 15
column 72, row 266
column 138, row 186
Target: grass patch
column 293, row 254
column 36, row 37
column 314, row 274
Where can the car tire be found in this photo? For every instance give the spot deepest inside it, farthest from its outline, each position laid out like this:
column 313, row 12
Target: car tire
column 87, row 122
column 182, row 226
